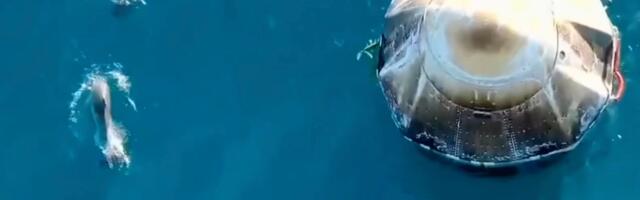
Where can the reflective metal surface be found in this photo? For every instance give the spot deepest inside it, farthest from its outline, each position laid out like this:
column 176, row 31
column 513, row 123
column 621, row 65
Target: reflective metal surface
column 496, row 86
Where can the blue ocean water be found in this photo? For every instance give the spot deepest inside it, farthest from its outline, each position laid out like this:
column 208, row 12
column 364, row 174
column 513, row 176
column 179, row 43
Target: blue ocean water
column 253, row 100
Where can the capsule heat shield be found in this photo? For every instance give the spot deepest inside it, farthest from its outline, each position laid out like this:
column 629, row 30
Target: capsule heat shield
column 490, row 85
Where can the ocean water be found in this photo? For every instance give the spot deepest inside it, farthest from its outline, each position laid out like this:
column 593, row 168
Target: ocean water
column 252, row 100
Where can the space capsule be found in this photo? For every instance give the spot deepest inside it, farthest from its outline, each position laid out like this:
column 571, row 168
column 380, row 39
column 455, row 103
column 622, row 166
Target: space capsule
column 496, row 83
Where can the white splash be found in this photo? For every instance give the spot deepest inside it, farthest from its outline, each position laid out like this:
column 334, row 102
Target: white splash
column 73, row 116
column 128, row 2
column 110, row 136
column 123, row 83
column 114, row 149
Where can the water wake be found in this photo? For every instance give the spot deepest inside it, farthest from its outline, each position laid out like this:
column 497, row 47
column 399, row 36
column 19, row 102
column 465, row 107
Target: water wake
column 94, row 95
column 129, row 2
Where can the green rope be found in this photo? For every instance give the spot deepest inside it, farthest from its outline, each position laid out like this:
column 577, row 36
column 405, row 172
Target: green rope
column 371, row 51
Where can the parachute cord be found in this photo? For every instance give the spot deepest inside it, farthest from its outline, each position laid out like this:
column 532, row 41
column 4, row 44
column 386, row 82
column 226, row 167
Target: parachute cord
column 618, row 75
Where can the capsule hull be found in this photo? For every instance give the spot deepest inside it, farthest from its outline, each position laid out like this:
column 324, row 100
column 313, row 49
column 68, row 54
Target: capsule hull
column 512, row 115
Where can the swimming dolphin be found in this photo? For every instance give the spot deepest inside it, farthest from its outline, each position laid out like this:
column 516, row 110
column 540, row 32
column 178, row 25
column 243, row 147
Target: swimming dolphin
column 101, row 101
column 114, row 148
column 128, row 2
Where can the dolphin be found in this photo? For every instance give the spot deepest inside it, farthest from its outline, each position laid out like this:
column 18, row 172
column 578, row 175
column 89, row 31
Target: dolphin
column 101, row 106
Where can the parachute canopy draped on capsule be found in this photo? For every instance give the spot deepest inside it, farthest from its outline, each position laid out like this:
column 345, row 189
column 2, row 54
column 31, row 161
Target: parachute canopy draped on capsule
column 496, row 83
